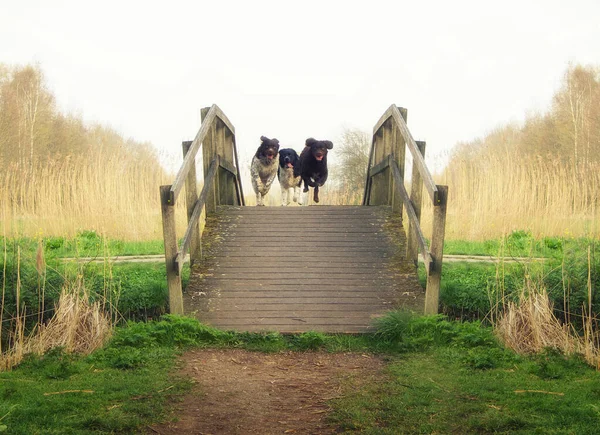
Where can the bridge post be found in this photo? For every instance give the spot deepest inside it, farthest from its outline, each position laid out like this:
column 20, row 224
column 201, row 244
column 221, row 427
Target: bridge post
column 432, row 291
column 416, row 198
column 170, row 239
column 208, row 154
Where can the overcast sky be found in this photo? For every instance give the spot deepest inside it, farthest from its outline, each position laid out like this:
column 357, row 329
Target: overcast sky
column 292, row 70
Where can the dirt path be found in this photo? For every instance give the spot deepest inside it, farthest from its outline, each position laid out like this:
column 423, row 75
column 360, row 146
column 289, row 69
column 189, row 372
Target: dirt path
column 241, row 392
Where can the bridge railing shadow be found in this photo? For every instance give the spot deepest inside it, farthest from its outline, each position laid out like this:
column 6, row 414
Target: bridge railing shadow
column 222, row 186
column 385, row 186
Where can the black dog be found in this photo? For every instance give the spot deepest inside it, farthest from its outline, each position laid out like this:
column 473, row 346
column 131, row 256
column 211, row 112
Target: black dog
column 288, row 160
column 313, row 164
column 263, row 168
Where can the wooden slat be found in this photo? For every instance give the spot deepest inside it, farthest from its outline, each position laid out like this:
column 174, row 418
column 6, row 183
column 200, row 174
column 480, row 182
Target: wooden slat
column 427, row 260
column 181, row 255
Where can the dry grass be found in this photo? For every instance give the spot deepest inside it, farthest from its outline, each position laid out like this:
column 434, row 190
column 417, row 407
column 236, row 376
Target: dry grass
column 77, row 326
column 492, row 196
column 113, row 196
column 529, row 326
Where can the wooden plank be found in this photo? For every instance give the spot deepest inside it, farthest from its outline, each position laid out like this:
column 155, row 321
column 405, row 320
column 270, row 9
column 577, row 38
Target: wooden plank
column 251, row 311
column 324, row 254
column 245, row 268
column 285, row 321
column 291, row 244
column 318, row 283
column 297, row 329
column 283, row 286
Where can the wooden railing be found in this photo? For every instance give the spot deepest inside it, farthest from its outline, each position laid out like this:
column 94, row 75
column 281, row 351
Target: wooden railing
column 385, row 186
column 222, row 186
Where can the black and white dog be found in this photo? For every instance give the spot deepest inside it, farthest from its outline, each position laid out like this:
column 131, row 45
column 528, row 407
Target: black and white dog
column 313, row 164
column 263, row 168
column 289, row 183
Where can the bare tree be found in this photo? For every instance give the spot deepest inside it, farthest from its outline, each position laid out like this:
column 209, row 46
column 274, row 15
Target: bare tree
column 352, row 160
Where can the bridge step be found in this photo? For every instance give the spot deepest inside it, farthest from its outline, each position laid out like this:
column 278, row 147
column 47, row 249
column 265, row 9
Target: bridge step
column 294, row 269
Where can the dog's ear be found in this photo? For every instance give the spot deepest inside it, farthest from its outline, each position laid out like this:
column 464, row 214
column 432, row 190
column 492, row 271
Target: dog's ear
column 328, row 144
column 264, row 139
column 310, row 141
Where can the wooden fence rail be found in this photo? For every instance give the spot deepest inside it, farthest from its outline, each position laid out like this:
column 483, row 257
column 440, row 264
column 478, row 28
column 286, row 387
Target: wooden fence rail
column 222, row 186
column 385, row 186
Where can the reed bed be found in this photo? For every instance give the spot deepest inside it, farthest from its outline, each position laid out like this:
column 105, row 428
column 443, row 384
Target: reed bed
column 113, row 196
column 492, row 196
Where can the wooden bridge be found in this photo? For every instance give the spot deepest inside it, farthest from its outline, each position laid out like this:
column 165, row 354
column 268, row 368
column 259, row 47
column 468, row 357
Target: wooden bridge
column 313, row 268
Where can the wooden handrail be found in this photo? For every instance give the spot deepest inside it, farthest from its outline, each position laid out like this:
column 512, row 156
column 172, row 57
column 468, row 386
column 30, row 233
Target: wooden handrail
column 394, row 113
column 213, row 113
column 185, row 244
column 412, row 215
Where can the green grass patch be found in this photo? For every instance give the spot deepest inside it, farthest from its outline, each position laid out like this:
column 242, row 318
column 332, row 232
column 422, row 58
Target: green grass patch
column 519, row 243
column 453, row 377
column 441, row 376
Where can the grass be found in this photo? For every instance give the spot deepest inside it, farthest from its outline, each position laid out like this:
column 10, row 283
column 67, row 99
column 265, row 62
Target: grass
column 441, row 391
column 441, row 377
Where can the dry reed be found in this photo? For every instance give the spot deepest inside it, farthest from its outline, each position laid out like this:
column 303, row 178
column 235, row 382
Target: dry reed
column 529, row 326
column 77, row 326
column 113, row 196
column 497, row 195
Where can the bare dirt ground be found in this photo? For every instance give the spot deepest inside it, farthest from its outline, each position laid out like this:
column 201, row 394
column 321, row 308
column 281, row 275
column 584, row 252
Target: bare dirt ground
column 241, row 392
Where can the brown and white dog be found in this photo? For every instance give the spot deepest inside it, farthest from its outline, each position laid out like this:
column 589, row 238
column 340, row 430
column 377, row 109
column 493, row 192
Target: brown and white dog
column 263, row 168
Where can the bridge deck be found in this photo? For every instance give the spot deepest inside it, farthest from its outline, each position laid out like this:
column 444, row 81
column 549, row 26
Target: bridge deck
column 293, row 269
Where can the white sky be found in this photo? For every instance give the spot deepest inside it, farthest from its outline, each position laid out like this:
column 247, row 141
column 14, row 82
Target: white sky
column 292, row 70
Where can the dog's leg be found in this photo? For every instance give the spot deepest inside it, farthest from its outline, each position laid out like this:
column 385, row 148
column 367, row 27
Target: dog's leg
column 259, row 199
column 303, row 199
column 296, row 190
column 316, row 193
column 284, row 196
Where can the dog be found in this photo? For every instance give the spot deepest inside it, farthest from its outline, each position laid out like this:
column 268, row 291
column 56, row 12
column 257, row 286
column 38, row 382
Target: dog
column 263, row 168
column 289, row 183
column 313, row 165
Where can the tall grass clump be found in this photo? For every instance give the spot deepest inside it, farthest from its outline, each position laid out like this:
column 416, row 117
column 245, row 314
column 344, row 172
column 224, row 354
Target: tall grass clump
column 77, row 326
column 531, row 323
